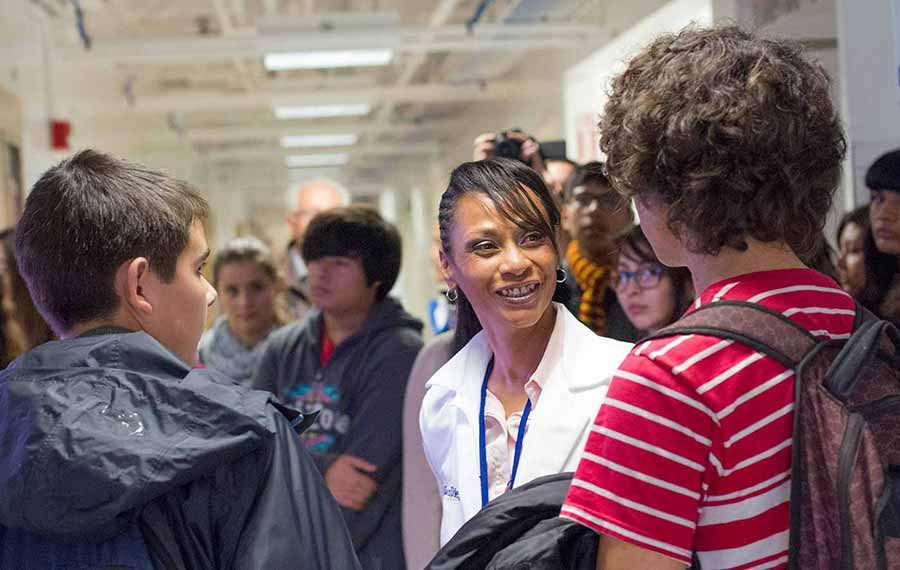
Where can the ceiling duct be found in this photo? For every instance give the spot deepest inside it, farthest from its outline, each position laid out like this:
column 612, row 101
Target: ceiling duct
column 491, row 65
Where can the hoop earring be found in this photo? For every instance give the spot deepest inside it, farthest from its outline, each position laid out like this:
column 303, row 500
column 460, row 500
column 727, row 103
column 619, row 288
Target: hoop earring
column 561, row 275
column 452, row 295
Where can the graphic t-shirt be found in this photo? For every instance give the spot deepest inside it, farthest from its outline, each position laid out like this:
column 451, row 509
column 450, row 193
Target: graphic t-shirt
column 332, row 422
column 691, row 448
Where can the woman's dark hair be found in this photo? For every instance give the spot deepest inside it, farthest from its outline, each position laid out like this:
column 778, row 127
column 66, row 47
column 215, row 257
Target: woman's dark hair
column 636, row 242
column 357, row 231
column 882, row 270
column 735, row 134
column 821, row 258
column 884, row 173
column 24, row 328
column 511, row 186
column 858, row 216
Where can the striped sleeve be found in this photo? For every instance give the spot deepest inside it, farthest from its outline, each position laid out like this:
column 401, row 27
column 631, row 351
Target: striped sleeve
column 641, row 477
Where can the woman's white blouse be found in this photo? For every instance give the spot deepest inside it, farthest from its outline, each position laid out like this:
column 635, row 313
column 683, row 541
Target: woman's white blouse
column 572, row 378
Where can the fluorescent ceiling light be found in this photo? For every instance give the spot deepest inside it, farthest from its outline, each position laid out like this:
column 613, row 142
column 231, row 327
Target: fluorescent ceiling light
column 312, row 160
column 323, row 111
column 299, row 141
column 327, row 59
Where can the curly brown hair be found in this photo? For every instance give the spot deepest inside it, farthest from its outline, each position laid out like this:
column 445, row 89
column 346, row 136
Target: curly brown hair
column 735, row 134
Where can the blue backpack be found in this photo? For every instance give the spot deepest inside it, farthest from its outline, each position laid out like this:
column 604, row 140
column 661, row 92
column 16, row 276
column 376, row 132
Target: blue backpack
column 24, row 550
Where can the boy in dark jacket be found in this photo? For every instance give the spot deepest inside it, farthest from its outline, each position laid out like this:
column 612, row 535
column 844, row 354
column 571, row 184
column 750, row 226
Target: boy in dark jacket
column 350, row 361
column 108, row 435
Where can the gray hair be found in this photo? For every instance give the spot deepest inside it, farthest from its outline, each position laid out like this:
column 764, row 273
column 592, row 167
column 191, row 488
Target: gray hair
column 293, row 192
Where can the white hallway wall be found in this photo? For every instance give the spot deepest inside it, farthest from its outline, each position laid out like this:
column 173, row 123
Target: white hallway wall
column 854, row 41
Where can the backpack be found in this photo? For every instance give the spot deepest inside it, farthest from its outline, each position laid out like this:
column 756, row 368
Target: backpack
column 24, row 550
column 845, row 460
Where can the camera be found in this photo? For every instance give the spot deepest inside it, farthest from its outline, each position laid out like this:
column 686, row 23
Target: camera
column 507, row 147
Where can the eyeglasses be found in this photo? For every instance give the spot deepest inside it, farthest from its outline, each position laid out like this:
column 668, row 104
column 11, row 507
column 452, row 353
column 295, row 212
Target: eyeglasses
column 647, row 276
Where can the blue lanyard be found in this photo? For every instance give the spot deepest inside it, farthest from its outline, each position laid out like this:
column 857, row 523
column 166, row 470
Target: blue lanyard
column 482, row 443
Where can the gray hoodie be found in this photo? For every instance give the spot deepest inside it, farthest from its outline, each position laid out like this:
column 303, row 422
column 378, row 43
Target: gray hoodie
column 359, row 394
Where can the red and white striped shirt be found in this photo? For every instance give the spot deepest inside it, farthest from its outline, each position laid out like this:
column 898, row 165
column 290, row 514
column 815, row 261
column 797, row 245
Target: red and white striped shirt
column 691, row 448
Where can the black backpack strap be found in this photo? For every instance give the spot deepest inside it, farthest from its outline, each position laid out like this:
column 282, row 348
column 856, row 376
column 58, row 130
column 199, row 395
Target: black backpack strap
column 863, row 316
column 753, row 325
column 868, row 331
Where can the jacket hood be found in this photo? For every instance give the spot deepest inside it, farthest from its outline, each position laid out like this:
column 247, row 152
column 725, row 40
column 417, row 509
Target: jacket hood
column 93, row 428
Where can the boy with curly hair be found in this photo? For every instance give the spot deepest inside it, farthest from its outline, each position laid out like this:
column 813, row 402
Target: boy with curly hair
column 731, row 149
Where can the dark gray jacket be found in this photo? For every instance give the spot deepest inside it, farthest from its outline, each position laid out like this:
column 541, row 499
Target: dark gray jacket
column 359, row 393
column 101, row 432
column 522, row 530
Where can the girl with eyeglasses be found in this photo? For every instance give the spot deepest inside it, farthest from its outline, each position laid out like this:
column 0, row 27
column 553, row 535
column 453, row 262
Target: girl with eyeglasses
column 651, row 294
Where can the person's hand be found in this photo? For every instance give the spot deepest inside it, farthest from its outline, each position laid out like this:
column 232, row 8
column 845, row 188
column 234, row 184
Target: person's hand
column 484, row 146
column 531, row 150
column 348, row 482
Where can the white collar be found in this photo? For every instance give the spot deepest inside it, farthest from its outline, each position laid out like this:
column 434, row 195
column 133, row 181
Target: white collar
column 472, row 359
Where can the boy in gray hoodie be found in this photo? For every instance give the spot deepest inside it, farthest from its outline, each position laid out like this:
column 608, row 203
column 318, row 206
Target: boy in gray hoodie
column 350, row 360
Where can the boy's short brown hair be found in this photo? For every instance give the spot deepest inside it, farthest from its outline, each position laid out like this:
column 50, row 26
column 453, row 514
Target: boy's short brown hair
column 735, row 134
column 87, row 216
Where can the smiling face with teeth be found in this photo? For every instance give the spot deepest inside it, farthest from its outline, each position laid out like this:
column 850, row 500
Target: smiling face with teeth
column 507, row 272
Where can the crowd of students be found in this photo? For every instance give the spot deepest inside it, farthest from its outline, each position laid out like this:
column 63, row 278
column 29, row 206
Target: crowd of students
column 178, row 450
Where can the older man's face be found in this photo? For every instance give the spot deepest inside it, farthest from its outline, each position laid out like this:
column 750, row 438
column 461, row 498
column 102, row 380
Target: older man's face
column 556, row 174
column 311, row 200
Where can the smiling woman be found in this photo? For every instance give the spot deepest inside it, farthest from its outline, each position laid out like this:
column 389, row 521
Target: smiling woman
column 515, row 401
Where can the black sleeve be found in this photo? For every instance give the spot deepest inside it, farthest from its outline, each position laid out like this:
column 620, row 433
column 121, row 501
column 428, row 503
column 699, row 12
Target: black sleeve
column 267, row 509
column 294, row 522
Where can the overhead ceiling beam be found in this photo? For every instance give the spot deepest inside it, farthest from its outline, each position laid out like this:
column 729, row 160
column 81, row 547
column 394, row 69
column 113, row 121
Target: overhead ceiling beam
column 274, row 130
column 275, row 153
column 268, row 131
column 439, row 17
column 206, row 101
column 224, row 17
column 408, row 39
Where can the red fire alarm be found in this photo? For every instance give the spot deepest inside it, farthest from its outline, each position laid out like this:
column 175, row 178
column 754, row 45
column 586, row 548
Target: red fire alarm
column 59, row 134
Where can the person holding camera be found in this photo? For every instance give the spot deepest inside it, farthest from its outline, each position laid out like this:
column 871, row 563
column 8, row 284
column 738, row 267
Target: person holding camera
column 521, row 146
column 513, row 144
